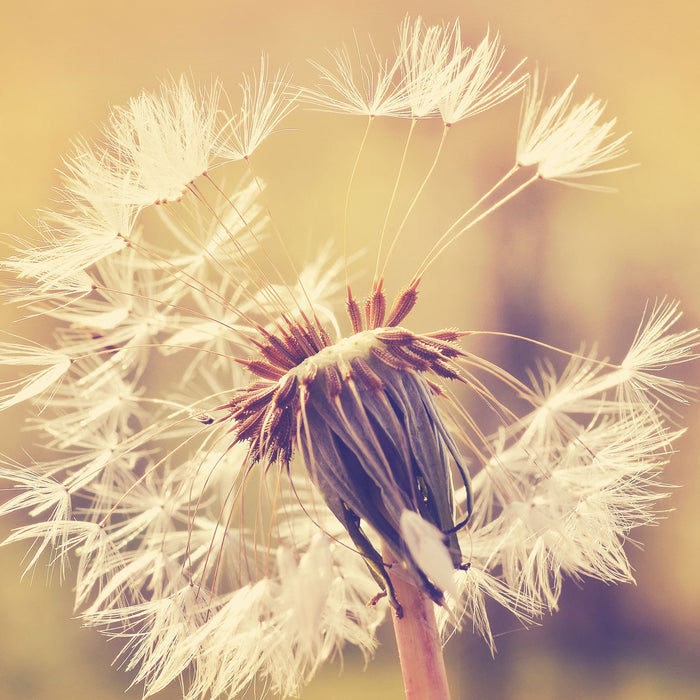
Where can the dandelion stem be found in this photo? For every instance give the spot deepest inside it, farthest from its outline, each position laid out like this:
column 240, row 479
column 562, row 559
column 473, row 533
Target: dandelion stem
column 417, row 640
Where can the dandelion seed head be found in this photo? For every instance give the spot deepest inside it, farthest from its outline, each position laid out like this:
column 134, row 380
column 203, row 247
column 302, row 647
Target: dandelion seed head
column 236, row 469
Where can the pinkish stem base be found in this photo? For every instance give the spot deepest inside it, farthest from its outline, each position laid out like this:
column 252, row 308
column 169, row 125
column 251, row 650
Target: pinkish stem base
column 418, row 641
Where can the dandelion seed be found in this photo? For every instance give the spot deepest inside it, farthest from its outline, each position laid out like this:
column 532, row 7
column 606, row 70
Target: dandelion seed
column 265, row 105
column 427, row 55
column 93, row 226
column 248, row 479
column 166, row 141
column 56, row 366
column 371, row 89
column 566, row 142
column 474, row 86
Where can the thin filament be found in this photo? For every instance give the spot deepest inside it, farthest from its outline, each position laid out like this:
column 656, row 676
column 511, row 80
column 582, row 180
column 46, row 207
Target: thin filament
column 416, row 198
column 476, row 204
column 375, row 283
column 432, row 256
column 346, row 213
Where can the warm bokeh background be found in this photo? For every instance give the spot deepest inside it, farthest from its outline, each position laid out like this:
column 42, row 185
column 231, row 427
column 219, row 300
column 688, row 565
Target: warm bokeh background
column 564, row 266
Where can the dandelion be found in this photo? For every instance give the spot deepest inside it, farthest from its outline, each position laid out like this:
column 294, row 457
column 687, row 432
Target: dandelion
column 249, row 478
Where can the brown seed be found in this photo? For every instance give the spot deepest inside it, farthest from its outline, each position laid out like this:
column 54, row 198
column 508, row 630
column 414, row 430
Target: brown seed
column 402, row 306
column 369, row 379
column 354, row 313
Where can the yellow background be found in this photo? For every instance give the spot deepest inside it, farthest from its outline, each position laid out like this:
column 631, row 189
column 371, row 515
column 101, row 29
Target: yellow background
column 566, row 265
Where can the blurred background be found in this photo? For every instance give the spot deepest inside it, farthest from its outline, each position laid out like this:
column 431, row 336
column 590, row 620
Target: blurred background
column 563, row 266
